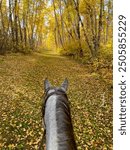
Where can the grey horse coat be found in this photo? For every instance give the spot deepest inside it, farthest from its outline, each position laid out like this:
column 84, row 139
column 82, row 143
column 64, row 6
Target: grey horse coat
column 57, row 119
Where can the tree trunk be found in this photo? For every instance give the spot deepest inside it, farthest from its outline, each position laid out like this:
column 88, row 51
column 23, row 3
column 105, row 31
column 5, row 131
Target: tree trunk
column 78, row 19
column 99, row 28
column 11, row 22
column 57, row 25
column 20, row 31
column 107, row 20
column 25, row 31
column 16, row 24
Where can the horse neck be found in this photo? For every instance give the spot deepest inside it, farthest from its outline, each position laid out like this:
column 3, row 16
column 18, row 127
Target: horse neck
column 59, row 131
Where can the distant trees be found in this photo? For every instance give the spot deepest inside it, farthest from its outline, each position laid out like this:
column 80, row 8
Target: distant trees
column 79, row 23
column 21, row 25
column 73, row 26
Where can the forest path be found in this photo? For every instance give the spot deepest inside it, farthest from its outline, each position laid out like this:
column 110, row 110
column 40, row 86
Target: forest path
column 21, row 91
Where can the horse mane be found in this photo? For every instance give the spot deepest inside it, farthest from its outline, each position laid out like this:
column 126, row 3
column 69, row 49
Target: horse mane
column 65, row 128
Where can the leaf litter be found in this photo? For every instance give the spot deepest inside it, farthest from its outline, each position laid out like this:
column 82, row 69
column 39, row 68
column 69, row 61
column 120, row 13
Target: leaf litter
column 21, row 95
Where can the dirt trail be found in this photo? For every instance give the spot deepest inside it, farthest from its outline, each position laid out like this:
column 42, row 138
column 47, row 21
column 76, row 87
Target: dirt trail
column 21, row 90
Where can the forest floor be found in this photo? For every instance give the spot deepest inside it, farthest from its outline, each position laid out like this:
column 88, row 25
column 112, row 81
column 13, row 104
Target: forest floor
column 21, row 95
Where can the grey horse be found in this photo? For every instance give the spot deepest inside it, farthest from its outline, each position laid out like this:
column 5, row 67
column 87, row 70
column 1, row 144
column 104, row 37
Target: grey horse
column 57, row 118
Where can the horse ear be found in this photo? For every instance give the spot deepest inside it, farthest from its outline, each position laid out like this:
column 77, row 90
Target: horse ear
column 47, row 84
column 65, row 84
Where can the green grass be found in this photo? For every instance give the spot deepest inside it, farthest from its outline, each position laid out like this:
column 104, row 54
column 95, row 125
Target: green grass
column 21, row 91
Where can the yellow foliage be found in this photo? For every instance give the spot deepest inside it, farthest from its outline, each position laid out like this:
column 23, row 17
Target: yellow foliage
column 71, row 48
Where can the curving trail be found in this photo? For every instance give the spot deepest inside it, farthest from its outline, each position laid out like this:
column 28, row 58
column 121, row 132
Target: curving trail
column 21, row 90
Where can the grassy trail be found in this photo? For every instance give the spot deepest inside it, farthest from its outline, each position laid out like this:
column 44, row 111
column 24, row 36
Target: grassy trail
column 21, row 91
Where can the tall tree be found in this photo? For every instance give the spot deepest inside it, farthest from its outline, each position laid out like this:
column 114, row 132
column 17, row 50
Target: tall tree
column 78, row 19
